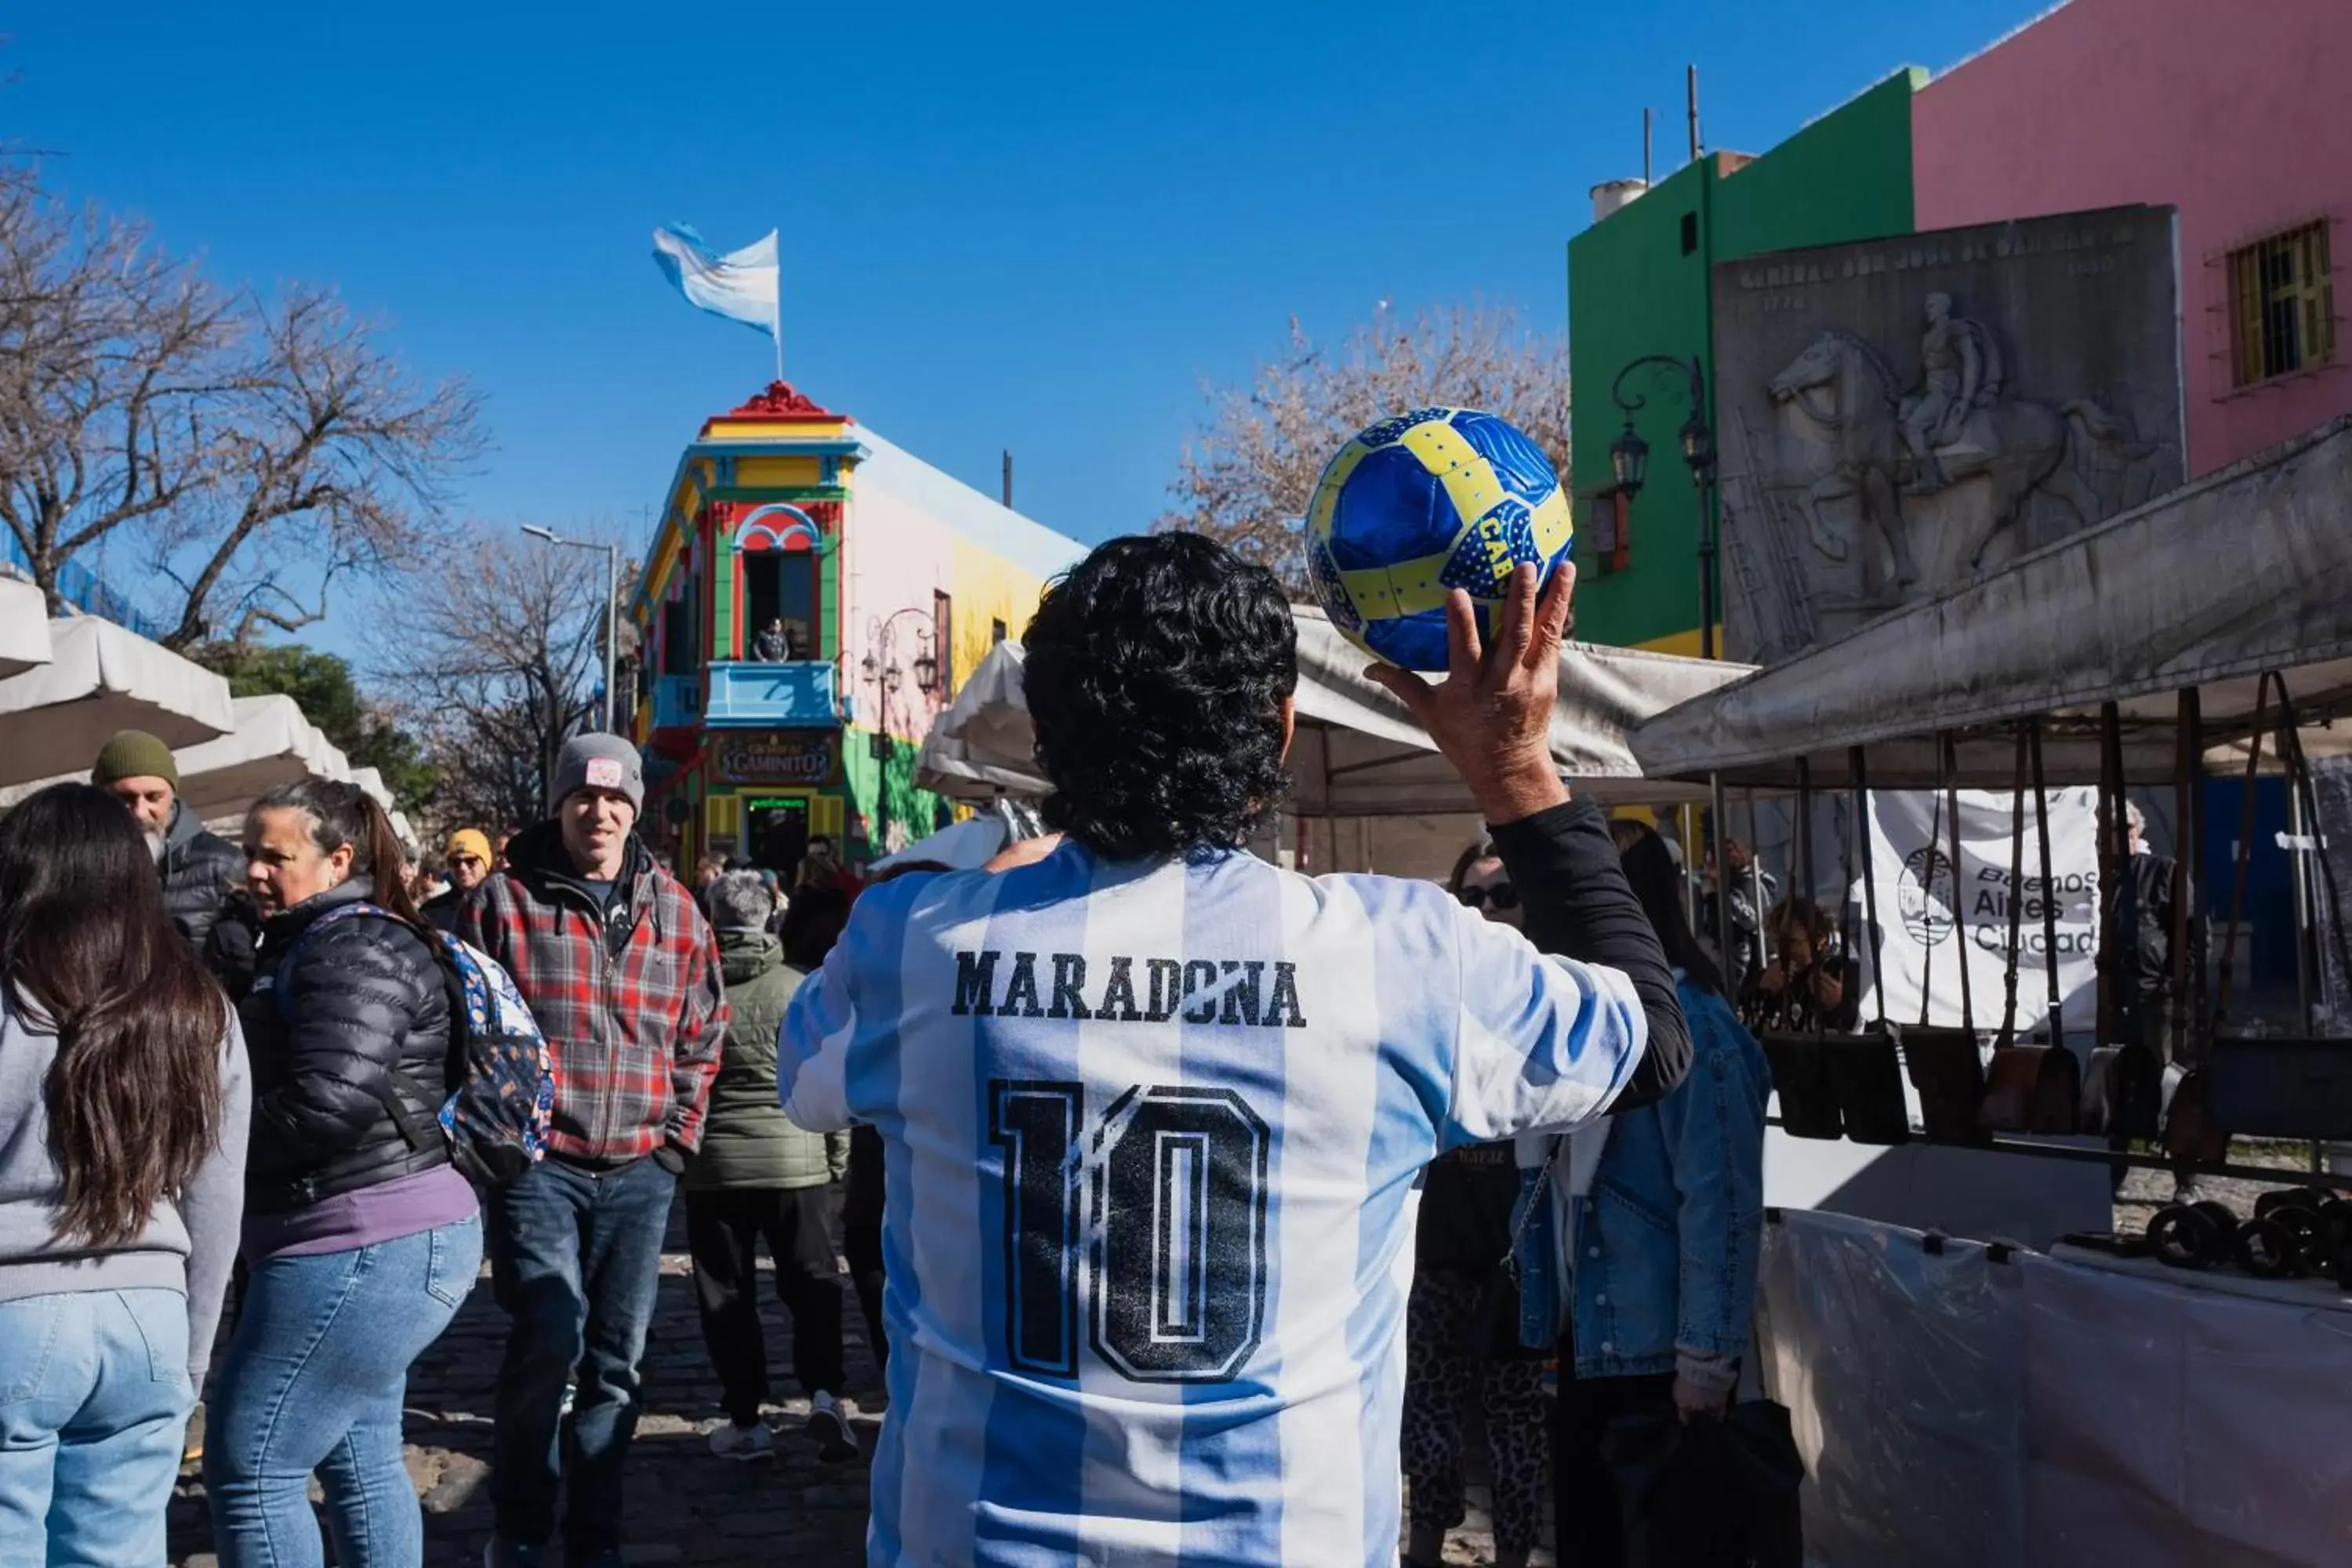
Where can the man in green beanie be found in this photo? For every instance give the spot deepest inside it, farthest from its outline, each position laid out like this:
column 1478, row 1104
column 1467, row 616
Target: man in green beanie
column 201, row 870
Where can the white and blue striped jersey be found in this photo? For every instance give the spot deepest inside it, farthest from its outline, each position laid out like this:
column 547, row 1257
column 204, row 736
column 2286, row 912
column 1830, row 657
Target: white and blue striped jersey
column 1154, row 1137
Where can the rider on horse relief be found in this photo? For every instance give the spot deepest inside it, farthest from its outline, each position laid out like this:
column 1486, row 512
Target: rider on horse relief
column 1962, row 368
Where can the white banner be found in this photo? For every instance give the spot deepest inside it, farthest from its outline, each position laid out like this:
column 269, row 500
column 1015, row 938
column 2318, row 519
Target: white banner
column 1911, row 860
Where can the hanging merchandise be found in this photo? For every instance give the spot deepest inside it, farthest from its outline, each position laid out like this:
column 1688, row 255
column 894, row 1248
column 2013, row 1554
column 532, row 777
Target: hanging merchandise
column 1912, row 848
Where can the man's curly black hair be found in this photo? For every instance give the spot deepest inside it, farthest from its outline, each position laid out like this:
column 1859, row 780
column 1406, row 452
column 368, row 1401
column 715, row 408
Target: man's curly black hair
column 1155, row 674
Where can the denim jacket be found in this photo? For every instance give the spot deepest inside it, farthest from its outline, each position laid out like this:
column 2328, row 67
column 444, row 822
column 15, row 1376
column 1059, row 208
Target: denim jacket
column 1668, row 1236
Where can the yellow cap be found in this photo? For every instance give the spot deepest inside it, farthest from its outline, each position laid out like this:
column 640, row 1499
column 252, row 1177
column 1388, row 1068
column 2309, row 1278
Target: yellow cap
column 469, row 841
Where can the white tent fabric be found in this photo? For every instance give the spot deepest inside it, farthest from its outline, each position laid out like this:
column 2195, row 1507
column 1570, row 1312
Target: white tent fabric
column 371, row 780
column 1357, row 752
column 101, row 679
column 272, row 744
column 2245, row 570
column 980, row 747
column 969, row 845
column 965, row 846
column 24, row 627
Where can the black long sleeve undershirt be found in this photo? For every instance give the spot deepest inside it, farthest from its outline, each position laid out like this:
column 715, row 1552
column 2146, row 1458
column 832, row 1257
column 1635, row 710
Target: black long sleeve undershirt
column 1578, row 904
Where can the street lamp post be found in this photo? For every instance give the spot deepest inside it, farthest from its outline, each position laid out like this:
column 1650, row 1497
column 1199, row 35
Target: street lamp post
column 611, row 600
column 1628, row 463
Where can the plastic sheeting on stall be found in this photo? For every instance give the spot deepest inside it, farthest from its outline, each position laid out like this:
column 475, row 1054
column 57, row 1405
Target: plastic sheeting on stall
column 2247, row 570
column 1970, row 1405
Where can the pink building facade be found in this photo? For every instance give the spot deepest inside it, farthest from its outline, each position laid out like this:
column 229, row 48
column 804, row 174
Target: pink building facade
column 2233, row 111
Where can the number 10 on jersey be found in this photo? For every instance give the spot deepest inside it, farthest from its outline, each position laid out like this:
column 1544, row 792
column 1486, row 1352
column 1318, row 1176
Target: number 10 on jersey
column 1161, row 1205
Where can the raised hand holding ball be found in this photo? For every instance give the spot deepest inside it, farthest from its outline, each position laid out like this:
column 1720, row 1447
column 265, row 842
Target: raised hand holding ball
column 1427, row 502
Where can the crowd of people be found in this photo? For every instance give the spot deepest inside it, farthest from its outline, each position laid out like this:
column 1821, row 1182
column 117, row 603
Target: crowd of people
column 1197, row 1200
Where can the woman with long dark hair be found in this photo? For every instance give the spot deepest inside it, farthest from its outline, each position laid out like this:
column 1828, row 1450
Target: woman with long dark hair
column 1462, row 1322
column 1656, row 1219
column 361, row 1238
column 122, row 1128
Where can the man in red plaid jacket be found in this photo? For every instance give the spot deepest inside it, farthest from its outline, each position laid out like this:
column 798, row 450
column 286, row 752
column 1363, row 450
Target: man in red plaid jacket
column 622, row 974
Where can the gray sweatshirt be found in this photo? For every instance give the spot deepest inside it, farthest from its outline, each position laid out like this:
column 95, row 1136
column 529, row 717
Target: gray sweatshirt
column 189, row 1242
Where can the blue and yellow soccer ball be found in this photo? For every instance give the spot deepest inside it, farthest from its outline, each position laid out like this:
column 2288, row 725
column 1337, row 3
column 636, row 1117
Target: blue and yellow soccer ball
column 1426, row 501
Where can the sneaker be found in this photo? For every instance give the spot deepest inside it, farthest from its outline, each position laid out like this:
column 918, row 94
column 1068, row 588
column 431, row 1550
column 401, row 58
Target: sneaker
column 511, row 1554
column 836, row 1444
column 732, row 1442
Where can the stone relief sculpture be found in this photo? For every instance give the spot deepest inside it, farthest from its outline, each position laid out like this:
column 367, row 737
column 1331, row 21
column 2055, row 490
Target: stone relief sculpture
column 1884, row 443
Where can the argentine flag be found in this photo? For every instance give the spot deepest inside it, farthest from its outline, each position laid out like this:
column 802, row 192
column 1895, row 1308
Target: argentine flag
column 742, row 285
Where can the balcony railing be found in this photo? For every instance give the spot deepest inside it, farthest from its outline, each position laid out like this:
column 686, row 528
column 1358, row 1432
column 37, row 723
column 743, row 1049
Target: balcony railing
column 796, row 695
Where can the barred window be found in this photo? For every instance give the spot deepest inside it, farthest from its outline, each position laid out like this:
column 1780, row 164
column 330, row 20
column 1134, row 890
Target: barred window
column 2282, row 305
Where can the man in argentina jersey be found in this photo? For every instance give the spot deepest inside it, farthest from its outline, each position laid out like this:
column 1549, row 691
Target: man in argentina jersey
column 1156, row 1111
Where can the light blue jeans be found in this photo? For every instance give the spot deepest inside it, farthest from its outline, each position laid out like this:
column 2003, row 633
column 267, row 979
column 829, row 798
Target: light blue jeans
column 94, row 1402
column 314, row 1380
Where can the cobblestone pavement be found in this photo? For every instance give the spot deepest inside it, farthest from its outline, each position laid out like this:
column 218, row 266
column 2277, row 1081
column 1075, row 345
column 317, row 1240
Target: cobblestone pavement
column 684, row 1506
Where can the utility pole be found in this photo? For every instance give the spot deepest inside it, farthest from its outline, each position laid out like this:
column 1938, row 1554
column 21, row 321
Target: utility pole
column 1646, row 147
column 1008, row 478
column 1690, row 94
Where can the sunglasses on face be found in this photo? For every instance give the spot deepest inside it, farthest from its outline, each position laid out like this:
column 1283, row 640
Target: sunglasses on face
column 1501, row 895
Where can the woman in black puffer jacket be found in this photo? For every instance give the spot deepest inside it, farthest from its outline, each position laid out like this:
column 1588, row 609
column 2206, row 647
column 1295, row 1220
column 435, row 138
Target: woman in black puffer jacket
column 360, row 1237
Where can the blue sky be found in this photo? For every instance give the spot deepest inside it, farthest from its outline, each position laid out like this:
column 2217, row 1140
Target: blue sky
column 1028, row 227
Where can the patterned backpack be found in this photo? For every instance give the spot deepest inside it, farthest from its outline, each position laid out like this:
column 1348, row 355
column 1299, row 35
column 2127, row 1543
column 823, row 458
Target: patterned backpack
column 498, row 1111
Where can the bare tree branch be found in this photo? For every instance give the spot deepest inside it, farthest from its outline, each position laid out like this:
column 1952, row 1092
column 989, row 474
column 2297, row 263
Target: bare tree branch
column 270, row 444
column 497, row 668
column 1247, row 475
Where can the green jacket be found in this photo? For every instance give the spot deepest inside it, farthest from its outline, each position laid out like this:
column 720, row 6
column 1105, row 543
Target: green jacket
column 746, row 1141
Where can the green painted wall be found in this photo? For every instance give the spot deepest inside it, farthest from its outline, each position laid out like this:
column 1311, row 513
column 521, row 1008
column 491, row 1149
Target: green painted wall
column 1634, row 289
column 1845, row 177
column 884, row 793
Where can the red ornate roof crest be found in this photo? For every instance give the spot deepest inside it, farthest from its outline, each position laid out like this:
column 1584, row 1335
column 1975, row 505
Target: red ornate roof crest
column 782, row 400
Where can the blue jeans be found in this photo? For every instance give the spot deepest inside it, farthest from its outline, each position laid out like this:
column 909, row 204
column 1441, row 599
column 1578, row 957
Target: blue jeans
column 575, row 1257
column 94, row 1400
column 313, row 1382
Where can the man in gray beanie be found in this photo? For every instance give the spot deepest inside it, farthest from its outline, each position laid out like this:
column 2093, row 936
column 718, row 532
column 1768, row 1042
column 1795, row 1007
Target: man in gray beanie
column 622, row 974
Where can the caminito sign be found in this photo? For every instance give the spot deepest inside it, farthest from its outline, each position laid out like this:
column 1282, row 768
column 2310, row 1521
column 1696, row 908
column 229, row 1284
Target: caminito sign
column 777, row 757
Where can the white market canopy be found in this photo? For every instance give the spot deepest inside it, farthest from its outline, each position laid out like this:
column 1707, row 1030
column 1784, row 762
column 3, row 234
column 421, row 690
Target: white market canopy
column 101, row 679
column 2247, row 570
column 371, row 780
column 272, row 744
column 24, row 627
column 1358, row 752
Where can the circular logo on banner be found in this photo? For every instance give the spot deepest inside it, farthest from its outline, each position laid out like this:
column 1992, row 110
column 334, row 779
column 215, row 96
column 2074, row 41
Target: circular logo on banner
column 1925, row 895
